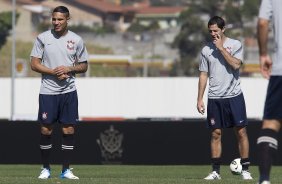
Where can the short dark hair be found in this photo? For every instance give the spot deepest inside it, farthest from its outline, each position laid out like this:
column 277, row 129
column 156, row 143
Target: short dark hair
column 218, row 21
column 62, row 9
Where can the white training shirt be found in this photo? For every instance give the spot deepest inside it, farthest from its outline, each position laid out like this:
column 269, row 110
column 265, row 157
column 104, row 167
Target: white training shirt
column 270, row 9
column 54, row 52
column 224, row 81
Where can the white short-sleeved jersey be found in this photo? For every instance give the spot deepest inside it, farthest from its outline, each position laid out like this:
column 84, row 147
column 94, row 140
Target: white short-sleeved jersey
column 270, row 9
column 57, row 51
column 224, row 81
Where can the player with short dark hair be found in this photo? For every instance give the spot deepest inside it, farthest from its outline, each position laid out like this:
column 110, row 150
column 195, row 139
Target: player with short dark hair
column 220, row 62
column 58, row 54
column 271, row 69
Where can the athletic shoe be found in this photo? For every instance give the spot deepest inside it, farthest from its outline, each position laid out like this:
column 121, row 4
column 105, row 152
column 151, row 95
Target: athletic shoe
column 246, row 175
column 45, row 174
column 68, row 175
column 213, row 176
column 264, row 182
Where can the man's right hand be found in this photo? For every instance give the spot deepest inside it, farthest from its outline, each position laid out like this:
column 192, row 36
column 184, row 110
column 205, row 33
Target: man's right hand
column 201, row 107
column 265, row 66
column 63, row 76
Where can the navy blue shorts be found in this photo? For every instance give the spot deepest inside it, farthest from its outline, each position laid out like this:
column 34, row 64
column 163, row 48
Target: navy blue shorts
column 273, row 102
column 227, row 112
column 62, row 108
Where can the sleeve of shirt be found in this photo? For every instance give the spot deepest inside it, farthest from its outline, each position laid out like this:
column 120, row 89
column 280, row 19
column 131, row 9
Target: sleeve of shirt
column 38, row 48
column 238, row 50
column 203, row 64
column 81, row 52
column 265, row 10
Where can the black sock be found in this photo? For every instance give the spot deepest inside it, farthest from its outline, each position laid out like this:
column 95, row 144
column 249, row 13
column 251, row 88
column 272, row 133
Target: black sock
column 245, row 162
column 216, row 164
column 267, row 147
column 67, row 148
column 45, row 149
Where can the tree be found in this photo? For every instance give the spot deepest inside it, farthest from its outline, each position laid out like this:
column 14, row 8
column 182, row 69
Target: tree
column 167, row 2
column 250, row 8
column 208, row 7
column 136, row 28
column 194, row 34
column 233, row 14
column 128, row 2
column 189, row 41
column 5, row 26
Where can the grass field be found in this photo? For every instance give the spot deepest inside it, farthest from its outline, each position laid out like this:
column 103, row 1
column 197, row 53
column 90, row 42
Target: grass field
column 124, row 174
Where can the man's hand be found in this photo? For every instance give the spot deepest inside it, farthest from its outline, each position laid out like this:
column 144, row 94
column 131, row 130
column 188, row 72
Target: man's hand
column 265, row 66
column 201, row 107
column 217, row 40
column 63, row 76
column 60, row 70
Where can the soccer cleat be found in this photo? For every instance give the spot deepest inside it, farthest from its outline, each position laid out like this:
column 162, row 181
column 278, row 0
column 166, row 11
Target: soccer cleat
column 213, row 176
column 68, row 175
column 264, row 182
column 246, row 175
column 45, row 174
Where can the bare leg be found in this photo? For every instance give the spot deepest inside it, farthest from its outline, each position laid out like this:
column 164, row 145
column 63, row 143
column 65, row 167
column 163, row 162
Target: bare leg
column 243, row 141
column 272, row 124
column 216, row 149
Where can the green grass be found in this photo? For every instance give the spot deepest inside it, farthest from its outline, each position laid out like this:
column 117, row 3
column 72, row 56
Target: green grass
column 124, row 174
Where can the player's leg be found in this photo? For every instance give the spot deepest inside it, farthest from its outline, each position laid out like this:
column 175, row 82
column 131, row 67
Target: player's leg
column 67, row 149
column 67, row 145
column 68, row 118
column 45, row 150
column 214, row 123
column 46, row 144
column 216, row 149
column 267, row 147
column 46, row 116
column 243, row 144
column 215, row 154
column 272, row 115
column 239, row 120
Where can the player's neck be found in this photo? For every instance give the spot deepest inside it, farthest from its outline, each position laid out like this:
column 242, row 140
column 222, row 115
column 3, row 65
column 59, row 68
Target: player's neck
column 224, row 38
column 61, row 33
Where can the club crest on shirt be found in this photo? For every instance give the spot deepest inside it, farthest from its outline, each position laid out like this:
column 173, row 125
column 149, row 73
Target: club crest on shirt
column 70, row 45
column 44, row 115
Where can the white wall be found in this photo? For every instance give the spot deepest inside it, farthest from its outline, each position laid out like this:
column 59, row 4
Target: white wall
column 127, row 97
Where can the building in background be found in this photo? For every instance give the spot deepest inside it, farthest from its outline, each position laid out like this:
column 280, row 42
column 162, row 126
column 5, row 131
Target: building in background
column 148, row 48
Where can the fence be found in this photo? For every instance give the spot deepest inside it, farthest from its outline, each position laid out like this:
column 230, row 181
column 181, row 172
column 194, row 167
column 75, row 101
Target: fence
column 126, row 142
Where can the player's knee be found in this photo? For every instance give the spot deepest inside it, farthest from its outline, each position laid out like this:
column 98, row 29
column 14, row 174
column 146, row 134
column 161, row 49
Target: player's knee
column 242, row 134
column 269, row 137
column 216, row 134
column 68, row 130
column 46, row 131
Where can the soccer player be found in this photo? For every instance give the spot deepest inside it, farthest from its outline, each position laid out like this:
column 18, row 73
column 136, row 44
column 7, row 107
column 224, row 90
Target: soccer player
column 220, row 62
column 58, row 54
column 271, row 69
